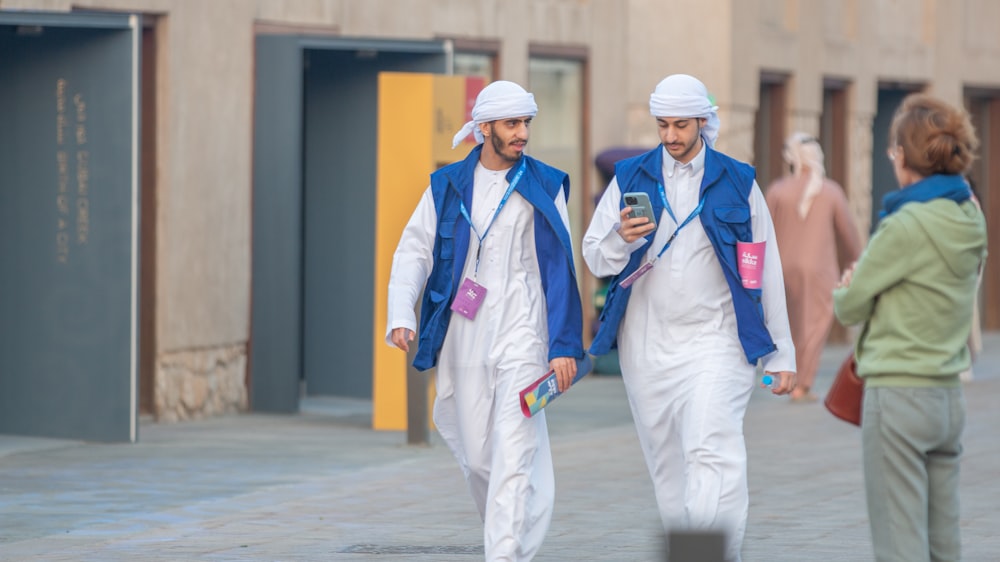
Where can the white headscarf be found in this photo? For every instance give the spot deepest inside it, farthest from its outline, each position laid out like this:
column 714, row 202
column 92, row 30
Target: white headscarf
column 680, row 95
column 499, row 100
column 803, row 151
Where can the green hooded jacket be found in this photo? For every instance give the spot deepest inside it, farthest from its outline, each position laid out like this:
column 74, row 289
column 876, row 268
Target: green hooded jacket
column 914, row 289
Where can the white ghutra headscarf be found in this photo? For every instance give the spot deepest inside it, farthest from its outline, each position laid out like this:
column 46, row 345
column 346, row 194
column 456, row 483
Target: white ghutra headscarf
column 804, row 154
column 680, row 95
column 499, row 100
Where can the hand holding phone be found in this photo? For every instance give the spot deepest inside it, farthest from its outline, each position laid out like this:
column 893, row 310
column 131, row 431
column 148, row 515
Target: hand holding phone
column 641, row 206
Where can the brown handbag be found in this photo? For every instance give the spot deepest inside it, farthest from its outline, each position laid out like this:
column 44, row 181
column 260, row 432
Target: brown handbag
column 847, row 392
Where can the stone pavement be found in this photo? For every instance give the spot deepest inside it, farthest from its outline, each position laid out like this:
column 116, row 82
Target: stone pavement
column 322, row 486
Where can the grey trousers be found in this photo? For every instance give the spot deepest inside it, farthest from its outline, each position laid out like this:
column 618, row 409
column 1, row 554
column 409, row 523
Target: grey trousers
column 912, row 445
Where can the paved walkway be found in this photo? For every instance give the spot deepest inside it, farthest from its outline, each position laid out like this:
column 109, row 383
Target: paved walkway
column 322, row 486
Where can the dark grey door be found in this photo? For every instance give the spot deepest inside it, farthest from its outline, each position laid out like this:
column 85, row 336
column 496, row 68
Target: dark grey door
column 314, row 209
column 68, row 225
column 341, row 94
column 883, row 178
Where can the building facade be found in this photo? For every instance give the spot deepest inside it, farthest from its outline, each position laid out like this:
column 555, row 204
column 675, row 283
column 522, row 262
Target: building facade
column 206, row 271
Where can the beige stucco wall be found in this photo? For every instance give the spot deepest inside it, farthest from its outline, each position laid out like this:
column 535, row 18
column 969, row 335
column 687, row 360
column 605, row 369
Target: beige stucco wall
column 670, row 38
column 941, row 45
column 205, row 96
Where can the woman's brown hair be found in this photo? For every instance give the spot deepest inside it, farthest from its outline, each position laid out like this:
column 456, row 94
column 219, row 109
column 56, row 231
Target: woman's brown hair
column 936, row 138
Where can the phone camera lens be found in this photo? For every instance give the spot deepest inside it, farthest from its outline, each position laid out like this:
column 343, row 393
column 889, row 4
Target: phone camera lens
column 631, row 200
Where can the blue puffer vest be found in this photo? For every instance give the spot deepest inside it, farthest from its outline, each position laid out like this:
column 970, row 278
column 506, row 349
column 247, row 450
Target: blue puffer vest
column 539, row 185
column 725, row 217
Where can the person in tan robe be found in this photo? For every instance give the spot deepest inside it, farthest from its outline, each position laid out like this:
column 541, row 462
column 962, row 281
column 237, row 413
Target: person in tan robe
column 818, row 239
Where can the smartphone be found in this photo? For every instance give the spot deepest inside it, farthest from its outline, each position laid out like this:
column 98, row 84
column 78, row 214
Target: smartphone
column 641, row 207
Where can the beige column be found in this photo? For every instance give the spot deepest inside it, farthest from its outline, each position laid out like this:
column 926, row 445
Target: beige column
column 737, row 131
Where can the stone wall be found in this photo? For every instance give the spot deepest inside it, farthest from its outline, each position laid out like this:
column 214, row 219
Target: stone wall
column 199, row 383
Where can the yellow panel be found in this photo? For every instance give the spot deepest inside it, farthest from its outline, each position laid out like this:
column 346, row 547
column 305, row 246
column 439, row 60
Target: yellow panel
column 404, row 164
column 454, row 97
column 419, row 115
column 449, row 116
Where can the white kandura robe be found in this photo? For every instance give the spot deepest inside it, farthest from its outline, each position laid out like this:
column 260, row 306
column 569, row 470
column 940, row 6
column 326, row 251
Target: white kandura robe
column 486, row 361
column 686, row 375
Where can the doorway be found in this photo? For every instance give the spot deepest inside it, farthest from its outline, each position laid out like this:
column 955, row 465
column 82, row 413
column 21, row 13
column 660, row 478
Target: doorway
column 313, row 212
column 890, row 96
column 769, row 128
column 984, row 108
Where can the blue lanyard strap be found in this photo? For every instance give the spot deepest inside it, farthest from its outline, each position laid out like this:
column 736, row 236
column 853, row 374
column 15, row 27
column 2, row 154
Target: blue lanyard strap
column 465, row 212
column 666, row 205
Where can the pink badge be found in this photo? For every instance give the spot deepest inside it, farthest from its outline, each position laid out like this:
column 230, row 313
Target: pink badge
column 751, row 263
column 627, row 282
column 470, row 296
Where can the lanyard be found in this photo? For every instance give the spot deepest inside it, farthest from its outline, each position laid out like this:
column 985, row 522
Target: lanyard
column 481, row 237
column 666, row 205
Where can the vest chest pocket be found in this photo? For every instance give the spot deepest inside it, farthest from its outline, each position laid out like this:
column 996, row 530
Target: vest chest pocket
column 734, row 224
column 446, row 234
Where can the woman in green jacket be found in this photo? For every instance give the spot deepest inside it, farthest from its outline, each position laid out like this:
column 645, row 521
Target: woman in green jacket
column 913, row 288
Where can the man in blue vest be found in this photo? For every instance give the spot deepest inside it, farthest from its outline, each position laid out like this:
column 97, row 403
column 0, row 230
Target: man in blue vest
column 489, row 247
column 689, row 327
